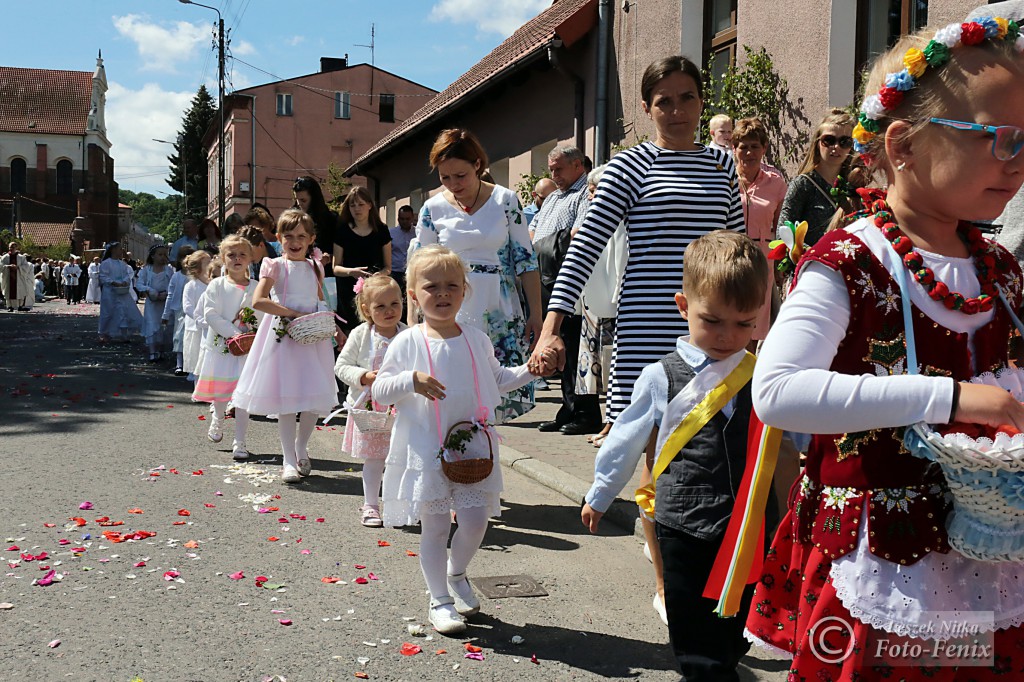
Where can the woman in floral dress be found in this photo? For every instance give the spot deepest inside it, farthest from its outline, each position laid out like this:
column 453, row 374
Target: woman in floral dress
column 483, row 223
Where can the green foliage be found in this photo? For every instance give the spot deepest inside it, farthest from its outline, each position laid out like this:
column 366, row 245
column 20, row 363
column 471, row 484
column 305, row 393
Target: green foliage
column 755, row 88
column 625, row 144
column 337, row 186
column 161, row 216
column 32, row 250
column 524, row 188
column 189, row 145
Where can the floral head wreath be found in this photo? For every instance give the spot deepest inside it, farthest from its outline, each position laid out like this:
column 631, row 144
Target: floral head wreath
column 916, row 62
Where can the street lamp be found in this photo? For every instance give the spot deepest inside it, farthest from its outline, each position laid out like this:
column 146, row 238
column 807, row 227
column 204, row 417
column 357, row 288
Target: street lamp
column 184, row 168
column 220, row 103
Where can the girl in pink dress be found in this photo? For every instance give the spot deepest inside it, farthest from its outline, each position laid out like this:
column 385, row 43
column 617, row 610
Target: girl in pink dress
column 284, row 377
column 379, row 304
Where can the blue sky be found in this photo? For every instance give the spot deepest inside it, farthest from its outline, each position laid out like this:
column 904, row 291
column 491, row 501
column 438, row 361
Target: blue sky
column 157, row 52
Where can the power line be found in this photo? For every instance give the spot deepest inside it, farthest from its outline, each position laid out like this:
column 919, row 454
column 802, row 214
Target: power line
column 274, row 140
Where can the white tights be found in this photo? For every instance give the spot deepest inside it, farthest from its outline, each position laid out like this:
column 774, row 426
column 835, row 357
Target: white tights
column 294, row 448
column 241, row 419
column 373, row 475
column 434, row 558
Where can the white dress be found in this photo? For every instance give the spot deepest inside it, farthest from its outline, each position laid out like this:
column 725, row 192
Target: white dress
column 154, row 284
column 414, row 483
column 92, row 292
column 219, row 370
column 192, row 338
column 283, row 376
column 119, row 313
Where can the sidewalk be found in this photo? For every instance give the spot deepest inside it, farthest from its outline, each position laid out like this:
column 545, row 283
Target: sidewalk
column 563, row 463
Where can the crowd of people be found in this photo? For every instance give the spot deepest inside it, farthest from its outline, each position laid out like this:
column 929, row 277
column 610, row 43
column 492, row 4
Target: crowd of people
column 653, row 280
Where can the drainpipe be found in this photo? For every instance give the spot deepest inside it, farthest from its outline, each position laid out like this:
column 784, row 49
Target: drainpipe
column 604, row 27
column 578, row 92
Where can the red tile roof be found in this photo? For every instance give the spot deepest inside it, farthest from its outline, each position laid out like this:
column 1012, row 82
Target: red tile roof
column 44, row 101
column 47, row 234
column 569, row 20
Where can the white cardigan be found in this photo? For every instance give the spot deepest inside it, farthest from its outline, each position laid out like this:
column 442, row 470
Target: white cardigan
column 354, row 359
column 221, row 302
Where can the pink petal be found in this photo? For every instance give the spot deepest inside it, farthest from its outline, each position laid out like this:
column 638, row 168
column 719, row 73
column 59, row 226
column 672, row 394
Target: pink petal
column 285, row 621
column 371, row 576
column 139, row 564
column 306, row 551
column 85, row 505
column 54, row 644
column 171, row 575
column 237, row 576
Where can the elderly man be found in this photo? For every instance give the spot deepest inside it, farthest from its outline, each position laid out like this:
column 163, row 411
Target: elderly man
column 579, row 414
column 541, row 190
column 16, row 280
column 190, row 236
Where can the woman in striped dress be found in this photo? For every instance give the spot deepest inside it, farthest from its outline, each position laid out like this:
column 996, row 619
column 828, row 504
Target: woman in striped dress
column 669, row 192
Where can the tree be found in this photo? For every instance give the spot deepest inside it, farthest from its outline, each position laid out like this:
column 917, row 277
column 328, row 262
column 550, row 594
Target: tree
column 194, row 125
column 337, row 186
column 756, row 89
column 158, row 215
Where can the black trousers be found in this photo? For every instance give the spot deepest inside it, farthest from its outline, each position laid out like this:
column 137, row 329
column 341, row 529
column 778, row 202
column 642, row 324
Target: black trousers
column 583, row 408
column 707, row 648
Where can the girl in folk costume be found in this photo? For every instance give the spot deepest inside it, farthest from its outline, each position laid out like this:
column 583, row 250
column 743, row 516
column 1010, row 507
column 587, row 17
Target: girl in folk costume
column 195, row 267
column 119, row 312
column 173, row 311
column 379, row 304
column 438, row 374
column 283, row 376
column 153, row 282
column 228, row 311
column 887, row 318
column 92, row 292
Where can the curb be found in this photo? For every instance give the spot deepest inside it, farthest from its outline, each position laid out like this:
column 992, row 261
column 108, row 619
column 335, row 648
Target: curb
column 622, row 514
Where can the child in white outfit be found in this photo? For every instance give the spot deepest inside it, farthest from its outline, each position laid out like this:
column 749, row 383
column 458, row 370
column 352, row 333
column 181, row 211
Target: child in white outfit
column 284, row 377
column 379, row 304
column 196, row 267
column 438, row 374
column 174, row 314
column 153, row 281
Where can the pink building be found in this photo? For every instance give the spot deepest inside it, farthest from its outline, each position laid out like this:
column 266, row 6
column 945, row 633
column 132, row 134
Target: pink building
column 301, row 125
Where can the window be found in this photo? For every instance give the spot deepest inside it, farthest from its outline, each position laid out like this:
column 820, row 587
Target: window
column 19, row 176
column 387, row 108
column 880, row 23
column 342, row 105
column 64, row 178
column 284, row 104
column 719, row 36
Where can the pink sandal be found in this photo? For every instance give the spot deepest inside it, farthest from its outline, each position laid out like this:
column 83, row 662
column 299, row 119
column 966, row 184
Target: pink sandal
column 371, row 516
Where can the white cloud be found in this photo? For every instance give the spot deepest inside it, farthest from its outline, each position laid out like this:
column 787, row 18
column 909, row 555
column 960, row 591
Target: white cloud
column 243, row 48
column 163, row 47
column 489, row 17
column 133, row 118
column 296, row 40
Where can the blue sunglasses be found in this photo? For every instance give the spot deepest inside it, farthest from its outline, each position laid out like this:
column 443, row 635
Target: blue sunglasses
column 1007, row 141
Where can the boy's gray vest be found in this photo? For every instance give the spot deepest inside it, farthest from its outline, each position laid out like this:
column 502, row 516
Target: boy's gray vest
column 697, row 491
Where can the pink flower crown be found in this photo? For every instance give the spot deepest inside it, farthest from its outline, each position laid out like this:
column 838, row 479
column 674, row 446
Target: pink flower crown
column 916, row 62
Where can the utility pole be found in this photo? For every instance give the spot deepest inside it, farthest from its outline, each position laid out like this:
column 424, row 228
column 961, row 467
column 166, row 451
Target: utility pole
column 220, row 104
column 373, row 34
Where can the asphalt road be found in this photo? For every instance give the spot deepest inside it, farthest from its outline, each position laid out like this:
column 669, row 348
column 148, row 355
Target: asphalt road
column 83, row 425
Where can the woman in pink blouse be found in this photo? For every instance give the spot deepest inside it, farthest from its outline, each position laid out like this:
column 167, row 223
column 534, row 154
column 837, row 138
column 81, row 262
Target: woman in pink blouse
column 762, row 189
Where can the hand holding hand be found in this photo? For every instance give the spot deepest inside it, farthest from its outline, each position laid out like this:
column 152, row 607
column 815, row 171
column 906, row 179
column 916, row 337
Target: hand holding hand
column 427, row 386
column 550, row 350
column 591, row 517
column 990, row 405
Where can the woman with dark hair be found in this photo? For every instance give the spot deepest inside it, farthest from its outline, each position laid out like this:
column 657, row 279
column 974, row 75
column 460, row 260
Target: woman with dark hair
column 668, row 192
column 362, row 246
column 310, row 198
column 209, row 236
column 483, row 223
column 821, row 188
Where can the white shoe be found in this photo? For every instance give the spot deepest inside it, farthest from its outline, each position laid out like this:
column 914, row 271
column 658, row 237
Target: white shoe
column 290, row 474
column 466, row 602
column 238, row 451
column 659, row 606
column 216, row 433
column 647, row 552
column 305, row 467
column 444, row 617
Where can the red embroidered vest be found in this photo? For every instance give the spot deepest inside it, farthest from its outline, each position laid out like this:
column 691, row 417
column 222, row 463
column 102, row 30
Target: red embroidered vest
column 905, row 495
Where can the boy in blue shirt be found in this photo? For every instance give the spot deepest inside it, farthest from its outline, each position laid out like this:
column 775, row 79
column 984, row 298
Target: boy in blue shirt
column 724, row 280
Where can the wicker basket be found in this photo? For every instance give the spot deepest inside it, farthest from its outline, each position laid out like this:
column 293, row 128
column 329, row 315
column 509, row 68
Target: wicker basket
column 239, row 344
column 312, row 328
column 471, row 469
column 986, row 479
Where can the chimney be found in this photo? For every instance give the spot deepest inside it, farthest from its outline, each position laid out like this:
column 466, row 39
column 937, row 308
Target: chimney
column 328, row 64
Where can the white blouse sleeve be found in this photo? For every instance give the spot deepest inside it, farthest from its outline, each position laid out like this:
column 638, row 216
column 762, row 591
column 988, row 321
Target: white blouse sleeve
column 794, row 389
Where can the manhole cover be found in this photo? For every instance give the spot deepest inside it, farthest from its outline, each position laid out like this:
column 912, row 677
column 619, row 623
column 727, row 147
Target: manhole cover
column 502, row 586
